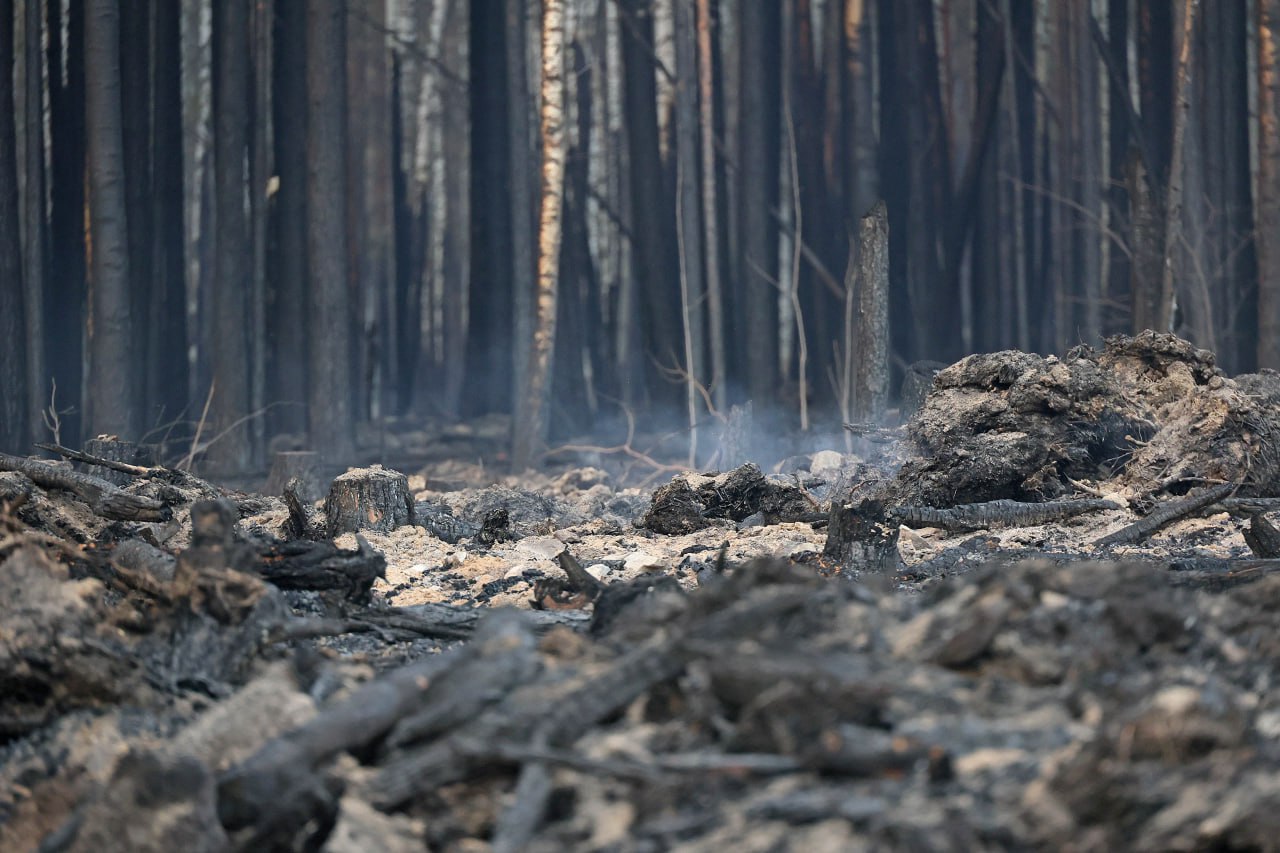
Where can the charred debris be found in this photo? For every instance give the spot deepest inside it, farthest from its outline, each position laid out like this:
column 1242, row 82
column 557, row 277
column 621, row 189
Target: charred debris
column 1043, row 612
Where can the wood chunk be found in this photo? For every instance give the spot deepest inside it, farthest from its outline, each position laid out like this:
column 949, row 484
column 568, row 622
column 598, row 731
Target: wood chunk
column 1166, row 513
column 103, row 498
column 996, row 513
column 374, row 498
column 1263, row 535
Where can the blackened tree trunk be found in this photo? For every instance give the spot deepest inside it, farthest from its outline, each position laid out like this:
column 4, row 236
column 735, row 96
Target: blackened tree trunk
column 287, row 318
column 1268, row 35
column 523, row 204
column 652, row 244
column 35, row 247
column 112, row 398
column 329, row 417
column 65, row 302
column 166, row 337
column 688, row 218
column 710, row 205
column 759, row 140
column 1155, row 88
column 861, row 188
column 489, row 326
column 135, row 106
column 14, row 433
column 1120, row 141
column 230, row 403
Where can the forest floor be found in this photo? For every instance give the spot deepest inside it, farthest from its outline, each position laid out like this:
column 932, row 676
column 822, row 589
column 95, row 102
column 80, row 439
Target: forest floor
column 1044, row 614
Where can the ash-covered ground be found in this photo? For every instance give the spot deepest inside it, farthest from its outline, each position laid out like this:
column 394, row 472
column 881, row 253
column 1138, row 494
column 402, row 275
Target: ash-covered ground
column 1044, row 614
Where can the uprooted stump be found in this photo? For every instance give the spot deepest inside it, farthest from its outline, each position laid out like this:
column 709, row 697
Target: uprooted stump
column 368, row 499
column 1150, row 409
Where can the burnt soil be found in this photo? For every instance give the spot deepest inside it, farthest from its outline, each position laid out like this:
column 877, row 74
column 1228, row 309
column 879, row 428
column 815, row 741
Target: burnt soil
column 1044, row 613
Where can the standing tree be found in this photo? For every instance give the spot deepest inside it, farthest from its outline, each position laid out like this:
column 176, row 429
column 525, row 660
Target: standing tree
column 1268, row 183
column 230, row 402
column 13, row 339
column 689, row 222
column 530, row 428
column 112, row 390
column 329, row 416
column 33, row 206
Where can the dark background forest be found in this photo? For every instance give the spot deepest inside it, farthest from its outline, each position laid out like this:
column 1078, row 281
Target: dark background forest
column 226, row 222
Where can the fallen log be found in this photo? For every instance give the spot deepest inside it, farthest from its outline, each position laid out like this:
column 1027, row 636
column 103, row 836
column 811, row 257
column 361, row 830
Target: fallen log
column 105, row 499
column 1001, row 513
column 1166, row 513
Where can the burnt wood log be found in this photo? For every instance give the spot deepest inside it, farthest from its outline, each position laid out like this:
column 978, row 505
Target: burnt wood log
column 105, row 499
column 441, row 523
column 862, row 537
column 300, row 564
column 1002, row 513
column 374, row 498
column 1166, row 513
column 304, row 521
column 272, row 781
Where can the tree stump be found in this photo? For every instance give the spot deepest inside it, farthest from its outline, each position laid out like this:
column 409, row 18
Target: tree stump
column 368, row 499
column 111, row 448
column 302, row 464
column 861, row 537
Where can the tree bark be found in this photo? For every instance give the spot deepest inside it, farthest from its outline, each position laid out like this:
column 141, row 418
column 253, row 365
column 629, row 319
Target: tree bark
column 329, row 417
column 14, row 427
column 112, row 401
column 230, row 451
column 520, row 150
column 1268, row 34
column 530, row 430
column 871, row 374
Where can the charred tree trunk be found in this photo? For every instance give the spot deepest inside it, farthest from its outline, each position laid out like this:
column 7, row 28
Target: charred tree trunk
column 861, row 179
column 112, row 399
column 1155, row 87
column 230, row 397
column 523, row 203
column 710, row 206
column 530, row 428
column 65, row 298
column 166, row 326
column 14, row 426
column 1268, row 34
column 651, row 245
column 1173, row 223
column 489, row 327
column 135, row 107
column 286, row 321
column 759, row 141
column 329, row 417
column 35, row 245
column 1120, row 140
column 688, row 218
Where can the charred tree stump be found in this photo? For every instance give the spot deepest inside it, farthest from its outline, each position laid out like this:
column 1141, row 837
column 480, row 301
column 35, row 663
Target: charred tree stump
column 112, row 449
column 299, row 464
column 861, row 536
column 1263, row 536
column 368, row 499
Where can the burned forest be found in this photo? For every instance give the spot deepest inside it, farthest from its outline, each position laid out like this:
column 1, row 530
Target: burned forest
column 639, row 425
